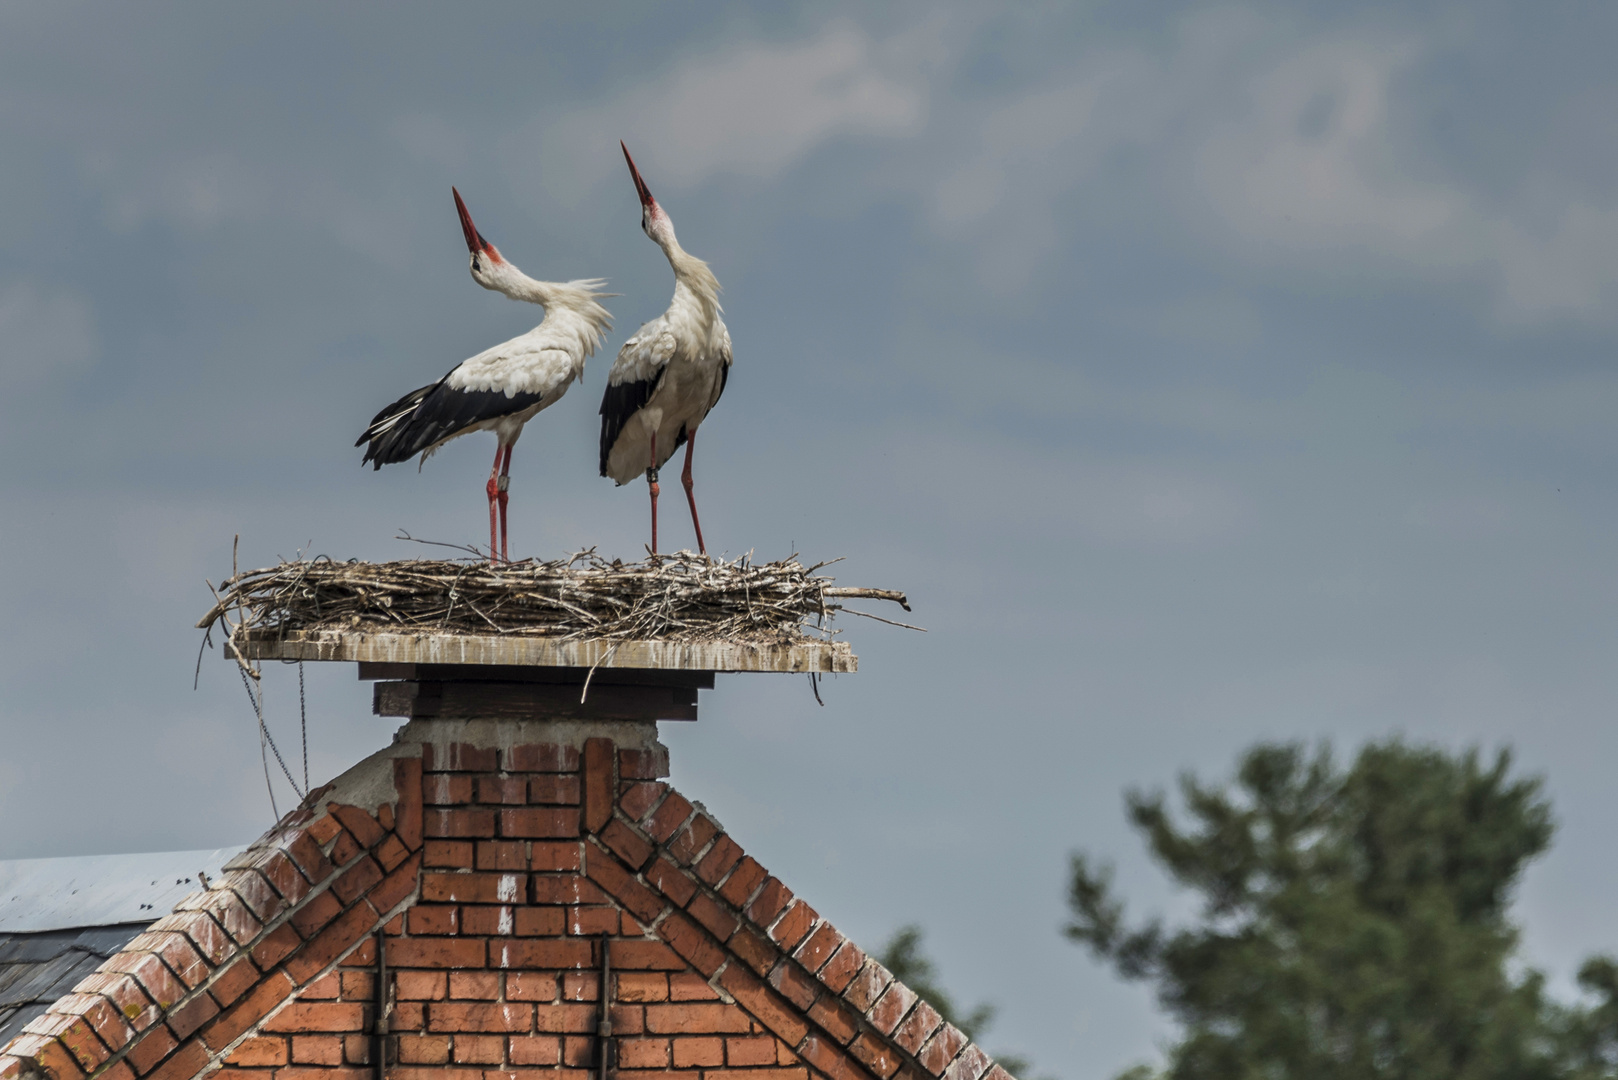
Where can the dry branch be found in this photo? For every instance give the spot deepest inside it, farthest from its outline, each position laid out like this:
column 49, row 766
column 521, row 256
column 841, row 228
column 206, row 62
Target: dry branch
column 680, row 597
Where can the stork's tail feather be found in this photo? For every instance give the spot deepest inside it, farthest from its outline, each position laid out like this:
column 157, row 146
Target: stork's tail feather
column 390, row 436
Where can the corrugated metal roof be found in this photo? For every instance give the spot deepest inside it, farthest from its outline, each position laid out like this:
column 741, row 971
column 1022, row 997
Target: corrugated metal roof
column 100, row 890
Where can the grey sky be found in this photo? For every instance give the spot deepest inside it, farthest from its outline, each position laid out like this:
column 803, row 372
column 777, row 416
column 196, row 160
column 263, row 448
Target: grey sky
column 1205, row 373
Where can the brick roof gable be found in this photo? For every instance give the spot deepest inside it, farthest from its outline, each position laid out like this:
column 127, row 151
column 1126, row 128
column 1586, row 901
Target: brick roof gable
column 493, row 874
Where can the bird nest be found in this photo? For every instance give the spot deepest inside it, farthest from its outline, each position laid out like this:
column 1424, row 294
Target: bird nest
column 680, row 597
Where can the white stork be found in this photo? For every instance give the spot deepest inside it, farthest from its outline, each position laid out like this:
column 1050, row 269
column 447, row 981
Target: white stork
column 669, row 374
column 499, row 389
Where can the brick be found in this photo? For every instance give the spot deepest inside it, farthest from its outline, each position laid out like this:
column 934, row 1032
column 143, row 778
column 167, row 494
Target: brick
column 891, row 1007
column 315, row 913
column 564, row 889
column 487, row 921
column 423, row 1049
column 309, row 859
column 643, row 764
column 321, row 1072
column 765, row 1005
column 459, row 757
column 356, row 985
column 450, row 854
column 836, row 1017
column 639, row 798
column 259, row 1051
column 635, row 955
column 276, row 946
column 479, row 1049
column 719, row 920
column 597, row 791
column 844, row 964
column 743, row 882
column 502, row 855
column 542, row 757
column 230, row 984
column 324, row 830
column 354, row 882
column 475, row 888
column 332, row 942
column 420, row 985
column 384, row 817
column 917, row 1028
column 256, row 1004
column 441, row 1072
column 79, row 1033
column 152, row 974
column 868, row 985
column 724, row 855
column 539, row 822
column 688, row 940
column 794, row 925
column 567, row 1019
column 750, row 1050
column 177, row 952
column 185, row 1063
column 830, row 1059
column 581, row 986
column 207, row 936
column 407, row 815
column 643, row 1053
column 153, row 1047
column 692, row 838
column 464, row 822
column 531, row 985
column 318, row 1016
column 391, row 852
column 474, row 985
column 753, row 950
column 317, row 1050
column 554, row 855
column 941, row 1049
column 876, row 1055
column 434, row 919
column 553, row 790
column 592, row 921
column 628, row 1020
column 611, row 876
column 818, row 947
column 540, row 953
column 502, row 789
column 667, row 879
column 51, row 1055
column 118, row 1070
column 365, row 828
column 437, row 952
column 669, row 817
column 540, row 921
column 795, row 984
column 283, row 875
column 694, row 1052
column 455, row 1016
column 696, row 1018
column 690, row 986
column 641, row 986
column 253, row 890
column 409, row 1015
column 124, row 995
column 623, row 841
column 970, row 1065
column 535, row 1050
column 363, row 954
column 772, row 899
column 345, row 849
column 399, row 884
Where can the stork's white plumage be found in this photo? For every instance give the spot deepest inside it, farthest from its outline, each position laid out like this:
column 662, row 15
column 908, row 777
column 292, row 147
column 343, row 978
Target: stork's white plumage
column 502, row 388
column 670, row 374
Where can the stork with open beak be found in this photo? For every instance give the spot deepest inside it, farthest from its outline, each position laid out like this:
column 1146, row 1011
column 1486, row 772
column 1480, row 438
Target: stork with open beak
column 670, row 374
column 502, row 388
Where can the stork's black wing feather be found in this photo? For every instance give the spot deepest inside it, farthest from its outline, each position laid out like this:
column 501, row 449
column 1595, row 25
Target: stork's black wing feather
column 425, row 417
column 620, row 403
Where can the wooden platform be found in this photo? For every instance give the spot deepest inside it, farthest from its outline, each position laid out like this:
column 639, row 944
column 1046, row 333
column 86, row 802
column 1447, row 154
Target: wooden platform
column 515, row 651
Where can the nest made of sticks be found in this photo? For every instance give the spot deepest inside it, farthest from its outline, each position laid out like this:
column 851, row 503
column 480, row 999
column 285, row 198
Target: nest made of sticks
column 679, row 597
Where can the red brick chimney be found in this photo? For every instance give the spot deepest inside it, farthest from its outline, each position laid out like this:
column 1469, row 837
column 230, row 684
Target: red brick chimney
column 446, row 910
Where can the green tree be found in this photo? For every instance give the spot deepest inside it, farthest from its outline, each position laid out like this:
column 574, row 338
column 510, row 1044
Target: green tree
column 1353, row 924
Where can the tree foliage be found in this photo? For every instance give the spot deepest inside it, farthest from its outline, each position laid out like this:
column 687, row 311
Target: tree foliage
column 1353, row 924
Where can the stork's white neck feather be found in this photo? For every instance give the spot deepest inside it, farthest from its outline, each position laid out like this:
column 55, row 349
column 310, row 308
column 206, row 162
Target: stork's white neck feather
column 575, row 303
column 693, row 280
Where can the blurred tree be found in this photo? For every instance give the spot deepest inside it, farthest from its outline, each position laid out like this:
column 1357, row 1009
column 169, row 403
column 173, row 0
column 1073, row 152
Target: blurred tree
column 903, row 956
column 1353, row 924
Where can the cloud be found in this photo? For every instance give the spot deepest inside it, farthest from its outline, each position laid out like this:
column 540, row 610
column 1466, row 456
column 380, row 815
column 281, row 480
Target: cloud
column 755, row 111
column 44, row 334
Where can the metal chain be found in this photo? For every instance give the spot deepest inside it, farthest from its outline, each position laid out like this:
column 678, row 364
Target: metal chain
column 303, row 724
column 257, row 702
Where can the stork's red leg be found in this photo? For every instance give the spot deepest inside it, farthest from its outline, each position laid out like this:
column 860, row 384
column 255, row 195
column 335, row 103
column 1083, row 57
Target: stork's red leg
column 505, row 482
column 690, row 497
column 493, row 488
column 651, row 482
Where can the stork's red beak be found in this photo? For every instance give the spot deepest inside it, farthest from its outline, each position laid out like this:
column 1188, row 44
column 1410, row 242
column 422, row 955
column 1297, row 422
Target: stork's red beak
column 474, row 240
column 640, row 185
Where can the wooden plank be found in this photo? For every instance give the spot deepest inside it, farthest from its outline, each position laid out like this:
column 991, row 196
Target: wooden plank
column 575, row 676
column 430, row 648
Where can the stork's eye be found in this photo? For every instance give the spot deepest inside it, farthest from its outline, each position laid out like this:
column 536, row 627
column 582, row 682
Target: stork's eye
column 475, row 264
